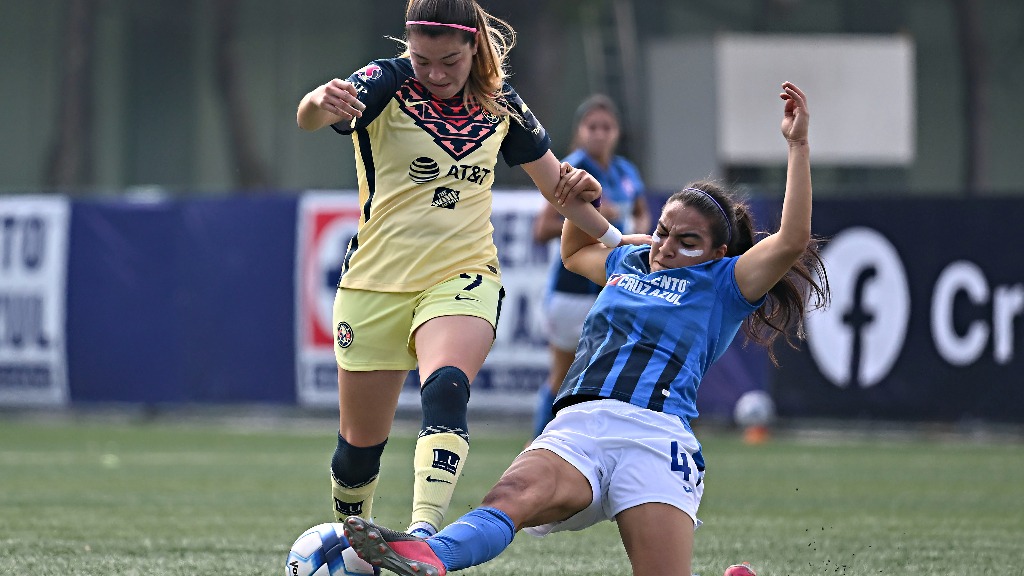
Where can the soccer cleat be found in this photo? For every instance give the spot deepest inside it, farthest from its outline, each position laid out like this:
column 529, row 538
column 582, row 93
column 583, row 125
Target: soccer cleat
column 399, row 552
column 739, row 570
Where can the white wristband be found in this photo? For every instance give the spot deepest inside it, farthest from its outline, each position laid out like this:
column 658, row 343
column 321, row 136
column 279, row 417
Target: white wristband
column 612, row 237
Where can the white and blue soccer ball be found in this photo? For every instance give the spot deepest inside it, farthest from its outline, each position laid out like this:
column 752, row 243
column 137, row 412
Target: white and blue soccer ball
column 754, row 408
column 323, row 550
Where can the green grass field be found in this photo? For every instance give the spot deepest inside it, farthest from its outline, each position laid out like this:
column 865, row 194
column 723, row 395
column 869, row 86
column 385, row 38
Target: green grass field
column 97, row 497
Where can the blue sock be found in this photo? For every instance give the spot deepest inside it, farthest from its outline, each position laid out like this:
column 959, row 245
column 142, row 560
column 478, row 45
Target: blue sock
column 542, row 415
column 477, row 537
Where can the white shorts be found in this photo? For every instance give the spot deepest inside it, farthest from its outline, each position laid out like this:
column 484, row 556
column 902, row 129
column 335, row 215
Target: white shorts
column 630, row 456
column 564, row 314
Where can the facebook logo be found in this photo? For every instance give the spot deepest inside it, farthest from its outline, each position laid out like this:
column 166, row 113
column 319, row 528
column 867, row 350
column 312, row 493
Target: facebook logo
column 857, row 340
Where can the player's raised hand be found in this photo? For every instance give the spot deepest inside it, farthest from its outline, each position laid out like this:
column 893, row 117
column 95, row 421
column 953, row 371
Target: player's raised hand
column 795, row 115
column 339, row 97
column 578, row 183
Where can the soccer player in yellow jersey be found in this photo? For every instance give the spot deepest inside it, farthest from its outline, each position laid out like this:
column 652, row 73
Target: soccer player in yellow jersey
column 420, row 284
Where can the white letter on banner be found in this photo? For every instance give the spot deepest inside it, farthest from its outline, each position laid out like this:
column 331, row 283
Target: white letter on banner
column 1007, row 304
column 959, row 277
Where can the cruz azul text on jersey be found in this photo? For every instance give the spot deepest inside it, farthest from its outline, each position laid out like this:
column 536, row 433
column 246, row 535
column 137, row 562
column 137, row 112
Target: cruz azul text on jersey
column 664, row 287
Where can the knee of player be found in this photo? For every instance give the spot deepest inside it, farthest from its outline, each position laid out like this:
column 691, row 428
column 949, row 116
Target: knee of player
column 354, row 466
column 524, row 493
column 444, row 398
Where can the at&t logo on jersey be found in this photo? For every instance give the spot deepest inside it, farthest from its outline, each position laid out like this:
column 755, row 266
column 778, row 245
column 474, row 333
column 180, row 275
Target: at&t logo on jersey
column 423, row 170
column 857, row 340
column 474, row 174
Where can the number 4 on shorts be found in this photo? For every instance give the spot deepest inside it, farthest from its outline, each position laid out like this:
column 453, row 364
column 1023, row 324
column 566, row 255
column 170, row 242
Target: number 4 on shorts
column 679, row 462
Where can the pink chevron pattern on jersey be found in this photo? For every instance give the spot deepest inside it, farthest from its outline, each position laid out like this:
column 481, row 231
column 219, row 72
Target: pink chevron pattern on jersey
column 454, row 127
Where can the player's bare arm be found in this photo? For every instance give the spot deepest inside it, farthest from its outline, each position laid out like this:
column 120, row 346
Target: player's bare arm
column 583, row 254
column 761, row 267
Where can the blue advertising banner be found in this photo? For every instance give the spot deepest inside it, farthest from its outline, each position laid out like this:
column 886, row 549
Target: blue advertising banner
column 925, row 322
column 228, row 301
column 182, row 301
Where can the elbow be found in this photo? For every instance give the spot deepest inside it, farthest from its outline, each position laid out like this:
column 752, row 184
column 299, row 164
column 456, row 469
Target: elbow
column 569, row 264
column 308, row 118
column 794, row 245
column 576, row 262
column 302, row 123
column 567, row 260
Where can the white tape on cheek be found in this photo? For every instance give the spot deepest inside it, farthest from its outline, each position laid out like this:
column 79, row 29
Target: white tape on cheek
column 691, row 253
column 654, row 237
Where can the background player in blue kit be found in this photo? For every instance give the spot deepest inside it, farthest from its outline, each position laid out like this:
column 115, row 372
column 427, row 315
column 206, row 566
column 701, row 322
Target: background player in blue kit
column 569, row 296
column 620, row 446
column 420, row 284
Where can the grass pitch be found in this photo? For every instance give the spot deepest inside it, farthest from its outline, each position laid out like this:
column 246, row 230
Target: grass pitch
column 163, row 497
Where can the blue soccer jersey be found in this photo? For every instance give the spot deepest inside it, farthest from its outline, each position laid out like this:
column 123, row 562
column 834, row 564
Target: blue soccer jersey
column 621, row 185
column 651, row 336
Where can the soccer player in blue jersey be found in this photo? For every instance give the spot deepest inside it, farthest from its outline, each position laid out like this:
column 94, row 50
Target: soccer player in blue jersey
column 420, row 283
column 569, row 296
column 620, row 446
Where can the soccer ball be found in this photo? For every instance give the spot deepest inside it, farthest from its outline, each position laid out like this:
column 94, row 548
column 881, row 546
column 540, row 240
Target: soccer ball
column 754, row 408
column 739, row 570
column 323, row 550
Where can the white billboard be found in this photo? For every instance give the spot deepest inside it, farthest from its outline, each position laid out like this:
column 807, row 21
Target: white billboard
column 860, row 90
column 33, row 300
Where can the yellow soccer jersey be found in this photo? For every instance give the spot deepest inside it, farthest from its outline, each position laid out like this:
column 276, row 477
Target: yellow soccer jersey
column 425, row 168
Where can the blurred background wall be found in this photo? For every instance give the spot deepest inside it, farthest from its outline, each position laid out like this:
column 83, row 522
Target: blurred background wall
column 198, row 97
column 168, row 235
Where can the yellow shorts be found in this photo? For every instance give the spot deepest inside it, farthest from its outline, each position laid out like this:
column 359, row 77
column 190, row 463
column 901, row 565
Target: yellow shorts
column 374, row 330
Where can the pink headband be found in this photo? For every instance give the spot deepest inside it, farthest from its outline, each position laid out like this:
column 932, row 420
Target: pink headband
column 456, row 26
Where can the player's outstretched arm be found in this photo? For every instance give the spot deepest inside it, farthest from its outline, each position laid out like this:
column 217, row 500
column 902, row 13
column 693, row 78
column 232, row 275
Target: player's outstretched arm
column 761, row 267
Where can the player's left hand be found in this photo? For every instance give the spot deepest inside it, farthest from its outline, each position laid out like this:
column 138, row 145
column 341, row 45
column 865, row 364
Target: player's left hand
column 795, row 115
column 576, row 183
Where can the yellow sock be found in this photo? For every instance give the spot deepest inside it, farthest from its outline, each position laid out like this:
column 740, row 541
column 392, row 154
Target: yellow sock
column 356, row 501
column 438, row 463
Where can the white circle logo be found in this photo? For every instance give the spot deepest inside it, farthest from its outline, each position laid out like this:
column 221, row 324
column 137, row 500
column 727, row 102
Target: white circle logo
column 858, row 338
